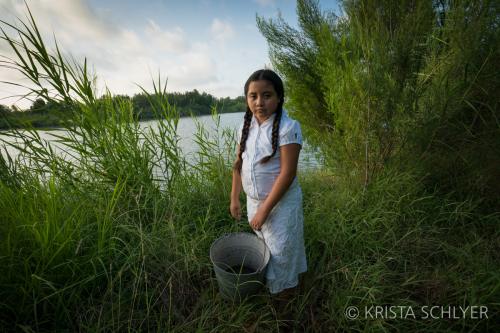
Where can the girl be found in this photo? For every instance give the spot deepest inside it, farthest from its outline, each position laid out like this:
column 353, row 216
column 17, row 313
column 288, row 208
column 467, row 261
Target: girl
column 266, row 167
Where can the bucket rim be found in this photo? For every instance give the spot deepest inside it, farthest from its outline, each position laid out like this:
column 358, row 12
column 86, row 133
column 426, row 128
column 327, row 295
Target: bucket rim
column 267, row 253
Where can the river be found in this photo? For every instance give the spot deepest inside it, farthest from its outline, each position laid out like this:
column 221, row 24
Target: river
column 186, row 130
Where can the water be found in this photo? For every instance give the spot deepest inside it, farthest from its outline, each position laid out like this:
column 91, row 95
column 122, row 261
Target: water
column 186, row 130
column 239, row 269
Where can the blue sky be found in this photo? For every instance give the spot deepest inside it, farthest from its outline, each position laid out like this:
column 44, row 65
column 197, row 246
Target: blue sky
column 209, row 45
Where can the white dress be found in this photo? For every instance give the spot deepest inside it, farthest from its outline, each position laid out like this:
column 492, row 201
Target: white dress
column 283, row 230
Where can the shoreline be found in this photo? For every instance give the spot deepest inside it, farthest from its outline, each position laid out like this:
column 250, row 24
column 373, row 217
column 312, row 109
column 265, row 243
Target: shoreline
column 56, row 127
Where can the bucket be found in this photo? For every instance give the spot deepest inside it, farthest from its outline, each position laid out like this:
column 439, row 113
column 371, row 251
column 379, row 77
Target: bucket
column 240, row 260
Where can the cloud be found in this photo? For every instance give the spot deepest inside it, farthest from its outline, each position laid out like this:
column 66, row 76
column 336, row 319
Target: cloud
column 196, row 69
column 172, row 41
column 221, row 31
column 67, row 17
column 265, row 3
column 124, row 55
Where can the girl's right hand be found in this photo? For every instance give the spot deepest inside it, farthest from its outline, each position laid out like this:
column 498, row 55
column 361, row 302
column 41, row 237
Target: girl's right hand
column 235, row 209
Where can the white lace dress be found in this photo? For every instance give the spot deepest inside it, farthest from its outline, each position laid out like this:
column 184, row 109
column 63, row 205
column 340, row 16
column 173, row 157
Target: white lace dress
column 283, row 230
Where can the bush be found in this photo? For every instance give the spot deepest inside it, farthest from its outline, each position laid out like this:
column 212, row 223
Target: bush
column 402, row 83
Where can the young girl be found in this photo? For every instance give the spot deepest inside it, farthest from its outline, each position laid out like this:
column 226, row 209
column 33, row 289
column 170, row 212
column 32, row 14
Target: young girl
column 266, row 168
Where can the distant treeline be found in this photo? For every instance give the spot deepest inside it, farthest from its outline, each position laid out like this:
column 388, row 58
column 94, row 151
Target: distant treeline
column 51, row 114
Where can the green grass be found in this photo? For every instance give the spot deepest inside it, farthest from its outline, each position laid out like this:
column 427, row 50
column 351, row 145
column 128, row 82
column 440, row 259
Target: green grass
column 117, row 238
column 103, row 258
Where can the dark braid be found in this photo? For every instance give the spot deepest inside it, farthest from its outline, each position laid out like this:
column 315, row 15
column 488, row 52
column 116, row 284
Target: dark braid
column 268, row 75
column 275, row 134
column 244, row 135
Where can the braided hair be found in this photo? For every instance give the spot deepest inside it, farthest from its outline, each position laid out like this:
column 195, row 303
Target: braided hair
column 274, row 79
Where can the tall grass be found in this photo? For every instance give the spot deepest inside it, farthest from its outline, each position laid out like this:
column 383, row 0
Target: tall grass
column 114, row 235
column 398, row 245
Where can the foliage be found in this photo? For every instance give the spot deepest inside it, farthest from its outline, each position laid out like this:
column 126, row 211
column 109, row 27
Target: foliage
column 4, row 109
column 191, row 103
column 112, row 234
column 97, row 217
column 51, row 113
column 406, row 82
column 38, row 105
column 59, row 82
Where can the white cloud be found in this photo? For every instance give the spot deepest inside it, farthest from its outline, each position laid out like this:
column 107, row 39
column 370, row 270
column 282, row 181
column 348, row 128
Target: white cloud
column 76, row 27
column 265, row 3
column 221, row 30
column 172, row 41
column 196, row 69
column 69, row 18
column 126, row 55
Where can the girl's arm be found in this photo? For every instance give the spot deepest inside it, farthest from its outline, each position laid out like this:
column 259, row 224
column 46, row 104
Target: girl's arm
column 289, row 159
column 235, row 206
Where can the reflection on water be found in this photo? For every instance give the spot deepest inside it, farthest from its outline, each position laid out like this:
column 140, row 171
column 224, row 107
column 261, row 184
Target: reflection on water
column 186, row 130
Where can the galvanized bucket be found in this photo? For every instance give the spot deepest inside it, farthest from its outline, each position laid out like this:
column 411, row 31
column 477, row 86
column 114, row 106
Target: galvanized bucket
column 240, row 260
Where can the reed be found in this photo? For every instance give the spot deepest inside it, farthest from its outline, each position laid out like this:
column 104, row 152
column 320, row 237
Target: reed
column 114, row 233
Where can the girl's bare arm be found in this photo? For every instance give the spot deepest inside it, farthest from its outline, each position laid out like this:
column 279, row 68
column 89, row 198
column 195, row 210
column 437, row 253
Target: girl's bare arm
column 236, row 186
column 289, row 159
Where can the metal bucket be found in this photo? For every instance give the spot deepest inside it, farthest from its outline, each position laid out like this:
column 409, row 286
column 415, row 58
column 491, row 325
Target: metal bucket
column 240, row 260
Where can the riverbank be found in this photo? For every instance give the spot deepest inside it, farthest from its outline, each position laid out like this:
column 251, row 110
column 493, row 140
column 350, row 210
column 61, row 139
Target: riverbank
column 118, row 237
column 56, row 124
column 53, row 115
column 100, row 257
column 26, row 119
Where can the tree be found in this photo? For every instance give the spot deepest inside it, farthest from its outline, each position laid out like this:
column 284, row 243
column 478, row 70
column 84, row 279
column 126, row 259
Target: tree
column 38, row 105
column 392, row 82
column 4, row 109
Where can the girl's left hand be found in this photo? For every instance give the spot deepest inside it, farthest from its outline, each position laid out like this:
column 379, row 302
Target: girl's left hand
column 258, row 220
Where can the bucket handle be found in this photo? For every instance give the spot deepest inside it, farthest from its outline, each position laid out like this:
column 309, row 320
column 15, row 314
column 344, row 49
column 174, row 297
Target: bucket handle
column 265, row 252
column 262, row 235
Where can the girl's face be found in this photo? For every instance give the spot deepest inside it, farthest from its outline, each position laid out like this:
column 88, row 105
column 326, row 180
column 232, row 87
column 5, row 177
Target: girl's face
column 262, row 99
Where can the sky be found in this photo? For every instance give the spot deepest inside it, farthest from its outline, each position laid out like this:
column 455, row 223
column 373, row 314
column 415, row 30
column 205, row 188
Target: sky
column 208, row 45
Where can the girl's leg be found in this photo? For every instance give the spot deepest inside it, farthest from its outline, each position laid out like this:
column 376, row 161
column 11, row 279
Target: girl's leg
column 283, row 304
